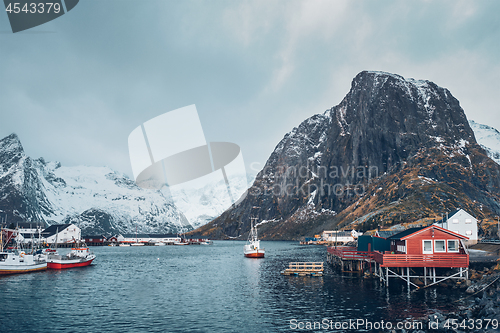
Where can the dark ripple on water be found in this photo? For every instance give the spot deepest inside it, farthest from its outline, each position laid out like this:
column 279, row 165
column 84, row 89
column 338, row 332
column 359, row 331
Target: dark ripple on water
column 199, row 289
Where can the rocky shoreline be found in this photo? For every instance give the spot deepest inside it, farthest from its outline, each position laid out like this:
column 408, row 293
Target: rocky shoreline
column 482, row 313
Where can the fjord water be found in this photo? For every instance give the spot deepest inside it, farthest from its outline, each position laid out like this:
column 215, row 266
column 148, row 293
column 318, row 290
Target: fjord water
column 201, row 289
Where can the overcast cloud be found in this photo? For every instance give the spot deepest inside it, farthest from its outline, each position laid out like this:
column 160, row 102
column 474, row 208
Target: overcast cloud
column 73, row 89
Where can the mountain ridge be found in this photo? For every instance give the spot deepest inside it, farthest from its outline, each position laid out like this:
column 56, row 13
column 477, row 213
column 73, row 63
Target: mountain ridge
column 406, row 130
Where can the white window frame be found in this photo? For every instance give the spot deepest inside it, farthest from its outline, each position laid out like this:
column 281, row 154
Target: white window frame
column 468, row 221
column 457, row 245
column 468, row 233
column 423, row 246
column 454, row 221
column 444, row 245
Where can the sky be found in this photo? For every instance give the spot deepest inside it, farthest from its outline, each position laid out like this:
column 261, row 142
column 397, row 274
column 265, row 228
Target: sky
column 74, row 89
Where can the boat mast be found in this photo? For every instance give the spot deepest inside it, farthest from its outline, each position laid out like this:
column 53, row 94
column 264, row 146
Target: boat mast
column 253, row 228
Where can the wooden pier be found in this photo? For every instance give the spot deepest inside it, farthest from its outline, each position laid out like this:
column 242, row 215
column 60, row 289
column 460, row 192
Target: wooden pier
column 403, row 266
column 348, row 259
column 304, row 269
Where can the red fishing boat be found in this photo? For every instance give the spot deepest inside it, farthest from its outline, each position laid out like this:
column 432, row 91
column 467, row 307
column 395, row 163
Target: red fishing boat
column 253, row 249
column 79, row 256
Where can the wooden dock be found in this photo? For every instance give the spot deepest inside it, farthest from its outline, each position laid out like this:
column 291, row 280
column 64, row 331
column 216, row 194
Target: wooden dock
column 304, row 269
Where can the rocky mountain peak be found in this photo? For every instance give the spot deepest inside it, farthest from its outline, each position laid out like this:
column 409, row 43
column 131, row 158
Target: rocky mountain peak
column 326, row 170
column 414, row 110
column 12, row 150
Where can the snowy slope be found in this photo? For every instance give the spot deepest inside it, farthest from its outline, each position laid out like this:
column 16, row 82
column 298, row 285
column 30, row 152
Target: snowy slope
column 202, row 204
column 77, row 193
column 100, row 200
column 489, row 138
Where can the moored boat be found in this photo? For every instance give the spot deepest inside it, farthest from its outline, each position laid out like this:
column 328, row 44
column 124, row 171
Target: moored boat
column 253, row 249
column 80, row 256
column 17, row 261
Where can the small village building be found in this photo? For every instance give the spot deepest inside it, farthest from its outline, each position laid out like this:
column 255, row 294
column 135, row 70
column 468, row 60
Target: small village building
column 386, row 233
column 462, row 223
column 65, row 233
column 149, row 238
column 373, row 243
column 339, row 236
column 414, row 253
column 97, row 240
column 26, row 232
column 113, row 239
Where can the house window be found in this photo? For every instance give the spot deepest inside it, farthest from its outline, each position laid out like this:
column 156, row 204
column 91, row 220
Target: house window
column 452, row 245
column 468, row 220
column 454, row 220
column 427, row 246
column 468, row 233
column 439, row 246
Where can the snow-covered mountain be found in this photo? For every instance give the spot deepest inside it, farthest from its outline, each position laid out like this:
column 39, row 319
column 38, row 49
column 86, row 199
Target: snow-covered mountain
column 489, row 138
column 97, row 199
column 204, row 203
column 100, row 200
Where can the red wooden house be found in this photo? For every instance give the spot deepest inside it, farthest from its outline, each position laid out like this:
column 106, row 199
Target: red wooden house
column 95, row 240
column 430, row 246
column 414, row 253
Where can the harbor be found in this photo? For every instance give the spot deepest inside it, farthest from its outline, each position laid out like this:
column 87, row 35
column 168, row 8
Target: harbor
column 150, row 288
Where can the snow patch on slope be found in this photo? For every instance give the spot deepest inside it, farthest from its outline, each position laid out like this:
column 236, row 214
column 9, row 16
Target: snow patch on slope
column 489, row 138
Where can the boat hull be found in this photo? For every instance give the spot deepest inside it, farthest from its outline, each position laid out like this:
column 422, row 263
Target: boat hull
column 254, row 254
column 6, row 270
column 63, row 264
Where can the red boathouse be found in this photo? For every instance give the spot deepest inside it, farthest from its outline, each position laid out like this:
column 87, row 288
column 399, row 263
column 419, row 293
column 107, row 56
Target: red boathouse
column 414, row 253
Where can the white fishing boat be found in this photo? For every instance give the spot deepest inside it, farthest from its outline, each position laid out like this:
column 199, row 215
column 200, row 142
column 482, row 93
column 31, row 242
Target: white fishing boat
column 18, row 261
column 252, row 249
column 160, row 244
column 124, row 244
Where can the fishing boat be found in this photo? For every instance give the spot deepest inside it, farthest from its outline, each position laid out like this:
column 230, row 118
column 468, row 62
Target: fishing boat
column 80, row 256
column 124, row 244
column 18, row 261
column 252, row 249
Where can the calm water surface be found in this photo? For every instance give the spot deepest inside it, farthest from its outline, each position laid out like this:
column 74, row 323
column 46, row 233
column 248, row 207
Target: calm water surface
column 201, row 289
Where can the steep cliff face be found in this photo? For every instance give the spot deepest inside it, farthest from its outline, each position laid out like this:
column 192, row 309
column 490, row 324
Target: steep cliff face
column 22, row 196
column 393, row 150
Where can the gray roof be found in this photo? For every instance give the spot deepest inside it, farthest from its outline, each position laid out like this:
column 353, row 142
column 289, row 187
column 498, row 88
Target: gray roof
column 53, row 229
column 387, row 233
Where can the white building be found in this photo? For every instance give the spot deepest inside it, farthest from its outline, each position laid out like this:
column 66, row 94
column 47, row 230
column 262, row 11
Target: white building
column 149, row 238
column 65, row 233
column 340, row 236
column 28, row 232
column 462, row 223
